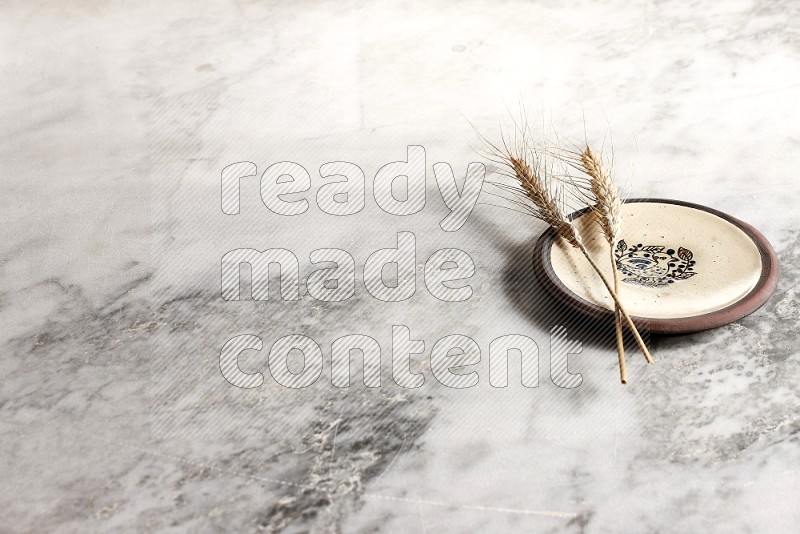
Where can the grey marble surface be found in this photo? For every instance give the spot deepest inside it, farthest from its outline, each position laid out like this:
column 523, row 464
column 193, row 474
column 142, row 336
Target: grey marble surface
column 117, row 120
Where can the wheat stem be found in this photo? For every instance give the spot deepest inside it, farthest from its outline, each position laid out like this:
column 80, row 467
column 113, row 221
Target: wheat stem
column 606, row 205
column 622, row 310
column 623, row 371
column 546, row 204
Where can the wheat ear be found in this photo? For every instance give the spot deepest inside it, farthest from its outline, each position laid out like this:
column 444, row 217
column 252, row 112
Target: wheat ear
column 602, row 196
column 608, row 209
column 536, row 187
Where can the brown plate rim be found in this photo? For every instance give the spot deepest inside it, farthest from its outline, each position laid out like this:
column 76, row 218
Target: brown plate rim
column 756, row 298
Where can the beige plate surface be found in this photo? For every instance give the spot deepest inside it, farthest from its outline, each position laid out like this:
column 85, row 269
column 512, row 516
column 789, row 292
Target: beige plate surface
column 676, row 262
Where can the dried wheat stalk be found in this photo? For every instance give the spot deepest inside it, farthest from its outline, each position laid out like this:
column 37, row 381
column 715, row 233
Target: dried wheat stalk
column 545, row 198
column 608, row 206
column 601, row 194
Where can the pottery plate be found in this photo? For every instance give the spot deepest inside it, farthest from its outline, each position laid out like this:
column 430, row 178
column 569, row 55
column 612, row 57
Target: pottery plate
column 682, row 267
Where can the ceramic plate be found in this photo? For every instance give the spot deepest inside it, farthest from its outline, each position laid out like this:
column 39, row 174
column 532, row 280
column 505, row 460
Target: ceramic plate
column 682, row 267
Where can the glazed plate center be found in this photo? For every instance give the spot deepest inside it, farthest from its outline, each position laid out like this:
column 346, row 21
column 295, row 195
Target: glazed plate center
column 673, row 262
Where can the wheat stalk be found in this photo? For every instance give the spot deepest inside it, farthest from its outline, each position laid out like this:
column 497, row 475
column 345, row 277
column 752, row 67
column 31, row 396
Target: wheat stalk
column 603, row 198
column 538, row 192
column 608, row 206
column 546, row 199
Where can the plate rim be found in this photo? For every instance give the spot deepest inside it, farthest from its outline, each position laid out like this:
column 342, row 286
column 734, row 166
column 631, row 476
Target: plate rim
column 757, row 297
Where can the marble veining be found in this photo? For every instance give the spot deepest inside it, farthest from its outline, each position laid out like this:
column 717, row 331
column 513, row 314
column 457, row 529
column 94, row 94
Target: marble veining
column 118, row 119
